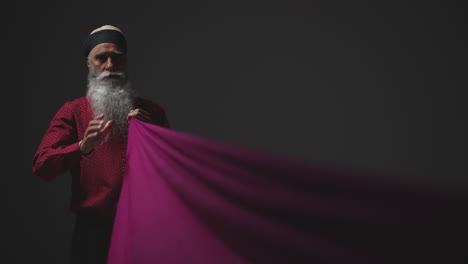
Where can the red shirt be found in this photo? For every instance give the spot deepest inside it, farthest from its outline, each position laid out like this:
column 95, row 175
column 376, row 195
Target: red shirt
column 96, row 179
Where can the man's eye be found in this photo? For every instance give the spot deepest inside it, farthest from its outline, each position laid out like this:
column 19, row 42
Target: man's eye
column 117, row 58
column 101, row 58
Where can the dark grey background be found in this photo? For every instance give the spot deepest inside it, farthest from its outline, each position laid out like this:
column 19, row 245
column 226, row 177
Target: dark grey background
column 352, row 85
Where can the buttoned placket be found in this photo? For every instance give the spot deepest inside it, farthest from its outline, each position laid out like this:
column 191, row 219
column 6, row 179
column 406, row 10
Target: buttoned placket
column 122, row 141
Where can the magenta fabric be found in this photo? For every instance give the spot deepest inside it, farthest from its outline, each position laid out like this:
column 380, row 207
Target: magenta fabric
column 186, row 199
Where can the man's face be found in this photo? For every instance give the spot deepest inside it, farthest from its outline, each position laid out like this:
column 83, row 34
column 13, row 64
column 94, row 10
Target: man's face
column 107, row 57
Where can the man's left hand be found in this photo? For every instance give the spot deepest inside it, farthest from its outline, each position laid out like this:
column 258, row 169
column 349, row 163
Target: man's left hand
column 139, row 114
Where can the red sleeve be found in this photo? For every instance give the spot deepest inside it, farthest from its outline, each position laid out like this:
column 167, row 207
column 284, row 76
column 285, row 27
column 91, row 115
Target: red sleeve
column 58, row 150
column 158, row 114
column 165, row 122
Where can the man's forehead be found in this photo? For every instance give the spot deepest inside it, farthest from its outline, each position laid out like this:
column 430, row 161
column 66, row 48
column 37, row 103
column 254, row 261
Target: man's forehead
column 106, row 47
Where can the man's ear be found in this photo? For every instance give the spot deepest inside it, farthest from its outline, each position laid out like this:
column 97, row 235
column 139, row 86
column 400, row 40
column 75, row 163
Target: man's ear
column 88, row 63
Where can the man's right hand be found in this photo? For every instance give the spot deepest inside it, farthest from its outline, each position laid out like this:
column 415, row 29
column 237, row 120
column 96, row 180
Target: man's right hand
column 95, row 133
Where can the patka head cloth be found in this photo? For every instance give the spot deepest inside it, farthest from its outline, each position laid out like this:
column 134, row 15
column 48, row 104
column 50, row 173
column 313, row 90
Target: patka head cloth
column 105, row 34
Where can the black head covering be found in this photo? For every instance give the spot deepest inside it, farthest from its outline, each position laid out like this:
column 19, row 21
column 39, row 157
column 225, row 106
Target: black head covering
column 105, row 36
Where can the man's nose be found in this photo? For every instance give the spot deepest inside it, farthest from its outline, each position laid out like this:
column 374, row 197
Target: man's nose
column 109, row 65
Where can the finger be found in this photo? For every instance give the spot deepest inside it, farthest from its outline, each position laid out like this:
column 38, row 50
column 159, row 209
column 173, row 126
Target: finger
column 99, row 117
column 92, row 129
column 143, row 111
column 107, row 127
column 132, row 114
column 138, row 115
column 95, row 122
column 143, row 116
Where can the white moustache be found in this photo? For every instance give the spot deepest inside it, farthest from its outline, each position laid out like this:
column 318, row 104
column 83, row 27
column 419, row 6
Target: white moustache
column 106, row 74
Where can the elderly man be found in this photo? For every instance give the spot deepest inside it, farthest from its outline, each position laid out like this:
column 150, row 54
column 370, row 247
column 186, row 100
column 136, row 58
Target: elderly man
column 88, row 137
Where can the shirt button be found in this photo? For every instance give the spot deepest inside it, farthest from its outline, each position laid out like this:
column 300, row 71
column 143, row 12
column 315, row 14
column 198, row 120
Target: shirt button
column 122, row 161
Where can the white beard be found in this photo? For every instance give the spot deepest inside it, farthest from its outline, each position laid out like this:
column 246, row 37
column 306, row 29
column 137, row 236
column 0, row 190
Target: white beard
column 112, row 97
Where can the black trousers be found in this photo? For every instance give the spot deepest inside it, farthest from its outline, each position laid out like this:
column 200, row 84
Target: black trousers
column 91, row 238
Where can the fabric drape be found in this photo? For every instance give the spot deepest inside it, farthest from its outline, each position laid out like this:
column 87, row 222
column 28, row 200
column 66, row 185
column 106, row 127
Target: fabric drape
column 186, row 199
